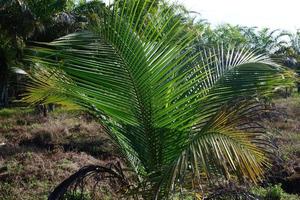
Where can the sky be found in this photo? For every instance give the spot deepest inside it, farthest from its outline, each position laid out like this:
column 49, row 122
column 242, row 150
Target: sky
column 274, row 14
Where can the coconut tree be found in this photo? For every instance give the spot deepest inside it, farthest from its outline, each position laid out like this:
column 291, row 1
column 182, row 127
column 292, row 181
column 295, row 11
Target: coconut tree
column 291, row 54
column 16, row 23
column 224, row 33
column 29, row 20
column 266, row 40
column 173, row 114
column 4, row 68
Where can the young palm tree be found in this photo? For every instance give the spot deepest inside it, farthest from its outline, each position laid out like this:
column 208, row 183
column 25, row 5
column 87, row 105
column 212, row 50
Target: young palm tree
column 166, row 107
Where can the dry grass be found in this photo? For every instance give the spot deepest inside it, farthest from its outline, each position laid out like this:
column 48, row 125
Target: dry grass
column 286, row 127
column 37, row 153
column 32, row 175
column 285, row 130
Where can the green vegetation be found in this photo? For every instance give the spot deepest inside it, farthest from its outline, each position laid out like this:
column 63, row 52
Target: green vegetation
column 77, row 195
column 9, row 112
column 182, row 103
column 273, row 193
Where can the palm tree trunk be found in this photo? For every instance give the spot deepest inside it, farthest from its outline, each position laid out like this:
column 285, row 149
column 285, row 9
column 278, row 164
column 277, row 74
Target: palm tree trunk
column 3, row 93
column 4, row 73
column 298, row 73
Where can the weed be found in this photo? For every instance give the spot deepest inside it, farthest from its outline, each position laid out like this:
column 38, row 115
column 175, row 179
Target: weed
column 273, row 192
column 77, row 195
column 9, row 112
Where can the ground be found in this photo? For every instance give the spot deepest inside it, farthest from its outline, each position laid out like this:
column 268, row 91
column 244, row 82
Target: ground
column 285, row 131
column 37, row 153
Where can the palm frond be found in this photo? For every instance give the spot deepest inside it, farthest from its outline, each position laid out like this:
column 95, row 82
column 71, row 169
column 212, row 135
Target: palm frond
column 46, row 86
column 232, row 144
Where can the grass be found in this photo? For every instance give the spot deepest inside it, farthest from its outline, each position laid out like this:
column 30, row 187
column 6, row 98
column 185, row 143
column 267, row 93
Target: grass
column 77, row 195
column 10, row 112
column 37, row 153
column 286, row 127
column 274, row 192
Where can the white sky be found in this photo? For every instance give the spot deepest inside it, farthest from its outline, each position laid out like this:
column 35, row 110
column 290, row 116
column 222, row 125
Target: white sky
column 274, row 14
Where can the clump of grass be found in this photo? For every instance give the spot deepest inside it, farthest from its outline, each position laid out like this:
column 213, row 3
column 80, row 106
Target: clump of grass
column 9, row 112
column 273, row 192
column 77, row 195
column 65, row 110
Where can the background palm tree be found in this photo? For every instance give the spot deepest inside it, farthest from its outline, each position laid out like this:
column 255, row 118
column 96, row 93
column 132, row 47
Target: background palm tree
column 4, row 69
column 18, row 23
column 289, row 53
column 24, row 21
column 173, row 113
column 266, row 40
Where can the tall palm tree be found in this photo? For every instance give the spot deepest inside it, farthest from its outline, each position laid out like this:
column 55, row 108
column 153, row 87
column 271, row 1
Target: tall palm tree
column 166, row 107
column 293, row 54
column 4, row 69
column 289, row 54
column 23, row 21
column 266, row 40
column 19, row 21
